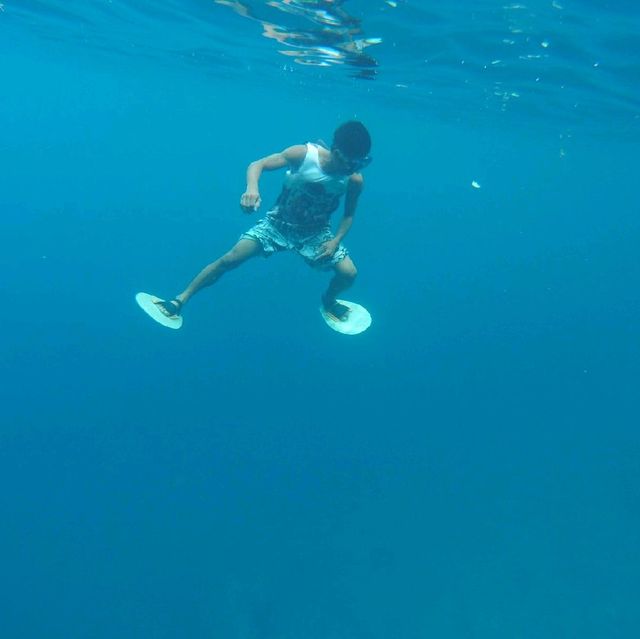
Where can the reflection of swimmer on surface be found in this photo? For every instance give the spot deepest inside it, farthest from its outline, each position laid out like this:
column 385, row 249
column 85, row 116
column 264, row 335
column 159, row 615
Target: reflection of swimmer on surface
column 238, row 7
column 323, row 12
column 335, row 42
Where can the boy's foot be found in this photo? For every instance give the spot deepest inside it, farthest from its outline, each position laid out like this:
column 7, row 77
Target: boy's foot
column 336, row 310
column 170, row 308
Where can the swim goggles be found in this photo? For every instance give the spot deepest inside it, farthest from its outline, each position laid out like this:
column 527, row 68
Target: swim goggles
column 353, row 165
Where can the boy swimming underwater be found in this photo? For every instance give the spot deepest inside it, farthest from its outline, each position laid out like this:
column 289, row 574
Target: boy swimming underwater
column 316, row 180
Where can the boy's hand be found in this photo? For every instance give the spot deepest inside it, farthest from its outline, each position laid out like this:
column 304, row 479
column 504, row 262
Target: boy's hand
column 250, row 201
column 327, row 249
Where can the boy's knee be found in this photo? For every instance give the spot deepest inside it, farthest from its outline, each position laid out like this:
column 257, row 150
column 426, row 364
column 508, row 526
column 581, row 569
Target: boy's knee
column 349, row 272
column 240, row 253
column 229, row 260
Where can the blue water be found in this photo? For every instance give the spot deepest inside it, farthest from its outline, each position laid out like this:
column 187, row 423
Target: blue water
column 467, row 468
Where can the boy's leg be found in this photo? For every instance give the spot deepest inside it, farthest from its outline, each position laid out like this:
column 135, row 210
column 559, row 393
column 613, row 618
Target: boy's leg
column 344, row 275
column 241, row 252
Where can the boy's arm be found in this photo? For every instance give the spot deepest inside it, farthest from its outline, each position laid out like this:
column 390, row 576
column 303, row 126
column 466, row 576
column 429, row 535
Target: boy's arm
column 354, row 188
column 291, row 156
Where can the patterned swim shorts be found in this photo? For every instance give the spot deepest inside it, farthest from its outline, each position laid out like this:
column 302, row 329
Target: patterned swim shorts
column 275, row 236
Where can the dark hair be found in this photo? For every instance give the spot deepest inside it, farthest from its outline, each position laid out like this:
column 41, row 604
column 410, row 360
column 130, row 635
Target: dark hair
column 353, row 139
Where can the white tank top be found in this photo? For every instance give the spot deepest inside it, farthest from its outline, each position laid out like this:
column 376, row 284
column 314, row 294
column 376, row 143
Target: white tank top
column 309, row 195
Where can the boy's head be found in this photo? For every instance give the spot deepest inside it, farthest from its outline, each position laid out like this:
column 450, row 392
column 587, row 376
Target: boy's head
column 352, row 139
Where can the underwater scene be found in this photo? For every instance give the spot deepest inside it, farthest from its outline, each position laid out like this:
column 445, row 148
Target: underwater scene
column 410, row 407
